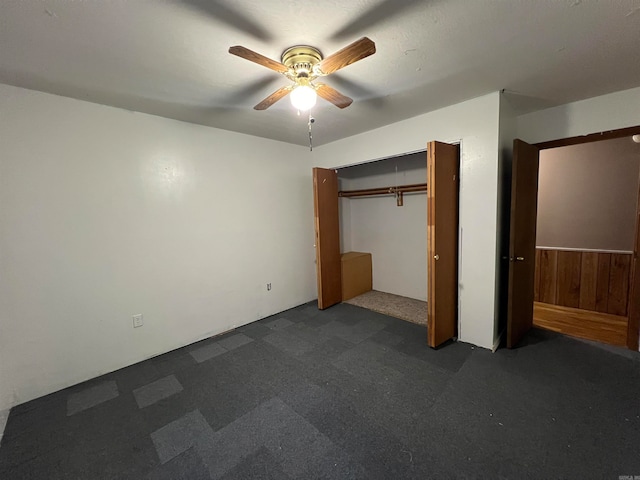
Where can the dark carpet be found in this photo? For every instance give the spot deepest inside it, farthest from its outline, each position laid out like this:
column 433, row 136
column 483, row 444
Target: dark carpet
column 342, row 393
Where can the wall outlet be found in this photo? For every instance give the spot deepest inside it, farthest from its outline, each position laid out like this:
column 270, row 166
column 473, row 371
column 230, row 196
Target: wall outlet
column 137, row 320
column 268, row 287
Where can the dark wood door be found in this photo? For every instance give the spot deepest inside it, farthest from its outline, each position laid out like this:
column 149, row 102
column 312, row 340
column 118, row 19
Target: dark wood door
column 522, row 240
column 443, row 172
column 633, row 325
column 327, row 226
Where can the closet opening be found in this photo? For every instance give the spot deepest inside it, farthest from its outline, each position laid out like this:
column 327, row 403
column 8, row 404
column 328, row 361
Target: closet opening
column 378, row 238
column 383, row 235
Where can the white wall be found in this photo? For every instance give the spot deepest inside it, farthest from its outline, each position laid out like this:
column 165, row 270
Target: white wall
column 105, row 213
column 344, row 207
column 475, row 124
column 598, row 114
column 395, row 236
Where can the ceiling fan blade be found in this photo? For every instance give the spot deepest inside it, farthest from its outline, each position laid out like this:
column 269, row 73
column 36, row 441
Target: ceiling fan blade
column 351, row 53
column 330, row 94
column 252, row 56
column 273, row 98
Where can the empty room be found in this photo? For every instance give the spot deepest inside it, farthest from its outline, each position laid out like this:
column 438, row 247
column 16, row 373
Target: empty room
column 194, row 193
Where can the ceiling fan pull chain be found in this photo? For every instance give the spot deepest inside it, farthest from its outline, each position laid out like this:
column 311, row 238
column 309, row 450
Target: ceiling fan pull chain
column 311, row 121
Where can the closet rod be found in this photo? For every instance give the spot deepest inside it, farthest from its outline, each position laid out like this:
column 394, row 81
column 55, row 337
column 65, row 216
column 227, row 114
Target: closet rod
column 416, row 187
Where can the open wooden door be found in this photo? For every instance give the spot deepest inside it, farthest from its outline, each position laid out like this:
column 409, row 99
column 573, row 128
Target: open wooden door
column 443, row 172
column 522, row 240
column 633, row 325
column 327, row 226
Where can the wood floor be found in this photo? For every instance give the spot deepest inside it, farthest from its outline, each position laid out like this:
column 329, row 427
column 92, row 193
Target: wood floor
column 600, row 327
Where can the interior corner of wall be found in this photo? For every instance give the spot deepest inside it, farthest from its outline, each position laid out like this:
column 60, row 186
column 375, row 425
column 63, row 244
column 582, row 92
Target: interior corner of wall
column 496, row 341
column 8, row 398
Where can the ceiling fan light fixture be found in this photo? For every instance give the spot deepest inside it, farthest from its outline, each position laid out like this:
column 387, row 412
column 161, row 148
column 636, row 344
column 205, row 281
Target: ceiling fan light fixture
column 303, row 97
column 303, row 64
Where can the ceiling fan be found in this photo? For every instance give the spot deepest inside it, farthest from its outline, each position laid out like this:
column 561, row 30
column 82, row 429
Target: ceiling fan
column 303, row 64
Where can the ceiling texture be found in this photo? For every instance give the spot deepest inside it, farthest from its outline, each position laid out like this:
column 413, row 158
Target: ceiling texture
column 170, row 57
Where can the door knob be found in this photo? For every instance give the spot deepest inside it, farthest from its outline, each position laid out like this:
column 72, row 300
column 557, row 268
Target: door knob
column 436, row 257
column 519, row 259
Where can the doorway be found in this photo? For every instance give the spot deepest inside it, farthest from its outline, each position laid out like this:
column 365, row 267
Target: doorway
column 383, row 225
column 587, row 202
column 584, row 264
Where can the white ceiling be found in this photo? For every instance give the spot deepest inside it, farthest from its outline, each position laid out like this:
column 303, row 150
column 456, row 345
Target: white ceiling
column 169, row 57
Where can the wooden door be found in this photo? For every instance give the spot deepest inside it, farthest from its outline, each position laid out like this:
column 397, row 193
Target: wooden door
column 633, row 309
column 443, row 172
column 522, row 240
column 327, row 226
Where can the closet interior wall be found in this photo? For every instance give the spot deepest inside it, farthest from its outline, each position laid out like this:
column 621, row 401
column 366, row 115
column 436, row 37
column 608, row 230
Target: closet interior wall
column 395, row 236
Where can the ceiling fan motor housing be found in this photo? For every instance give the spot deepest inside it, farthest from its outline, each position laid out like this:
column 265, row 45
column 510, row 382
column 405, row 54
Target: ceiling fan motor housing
column 301, row 59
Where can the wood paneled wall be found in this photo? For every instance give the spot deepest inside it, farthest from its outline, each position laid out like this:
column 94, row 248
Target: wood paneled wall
column 587, row 280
